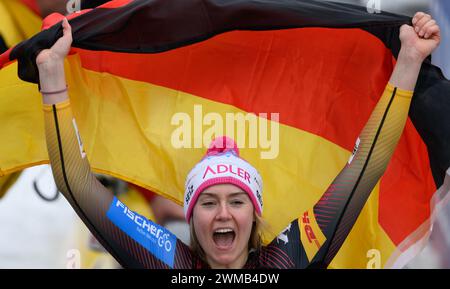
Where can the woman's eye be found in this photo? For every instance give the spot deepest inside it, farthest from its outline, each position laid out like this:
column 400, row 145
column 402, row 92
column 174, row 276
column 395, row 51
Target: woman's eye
column 237, row 202
column 207, row 204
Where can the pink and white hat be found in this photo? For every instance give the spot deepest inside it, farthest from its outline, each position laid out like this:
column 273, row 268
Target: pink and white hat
column 222, row 165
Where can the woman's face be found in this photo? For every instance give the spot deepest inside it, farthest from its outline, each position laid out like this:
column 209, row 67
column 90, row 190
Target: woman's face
column 223, row 218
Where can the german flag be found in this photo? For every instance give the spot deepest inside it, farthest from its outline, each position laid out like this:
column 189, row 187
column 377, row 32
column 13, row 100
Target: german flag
column 19, row 20
column 321, row 66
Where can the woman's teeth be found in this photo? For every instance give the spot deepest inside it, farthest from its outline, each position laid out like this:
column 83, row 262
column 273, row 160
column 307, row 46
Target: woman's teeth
column 223, row 231
column 224, row 238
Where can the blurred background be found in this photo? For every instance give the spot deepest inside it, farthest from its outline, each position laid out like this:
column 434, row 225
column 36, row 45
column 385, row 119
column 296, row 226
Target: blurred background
column 405, row 7
column 39, row 229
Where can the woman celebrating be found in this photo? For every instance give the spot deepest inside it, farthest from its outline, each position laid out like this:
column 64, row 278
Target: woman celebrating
column 223, row 193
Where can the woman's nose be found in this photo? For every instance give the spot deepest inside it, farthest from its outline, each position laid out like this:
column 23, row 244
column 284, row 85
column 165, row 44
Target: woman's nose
column 223, row 213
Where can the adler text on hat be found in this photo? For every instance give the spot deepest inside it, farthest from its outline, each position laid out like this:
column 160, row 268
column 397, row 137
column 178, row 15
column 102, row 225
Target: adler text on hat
column 222, row 169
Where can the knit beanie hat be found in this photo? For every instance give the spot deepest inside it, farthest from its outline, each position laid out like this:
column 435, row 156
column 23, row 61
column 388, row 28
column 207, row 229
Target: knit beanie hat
column 222, row 165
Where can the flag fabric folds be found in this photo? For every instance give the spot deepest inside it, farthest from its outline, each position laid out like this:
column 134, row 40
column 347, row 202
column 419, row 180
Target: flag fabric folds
column 321, row 66
column 437, row 249
column 19, row 20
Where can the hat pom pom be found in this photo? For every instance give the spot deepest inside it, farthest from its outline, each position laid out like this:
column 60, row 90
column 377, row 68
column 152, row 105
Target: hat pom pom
column 222, row 144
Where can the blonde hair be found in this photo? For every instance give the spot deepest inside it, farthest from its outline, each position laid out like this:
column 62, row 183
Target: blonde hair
column 254, row 241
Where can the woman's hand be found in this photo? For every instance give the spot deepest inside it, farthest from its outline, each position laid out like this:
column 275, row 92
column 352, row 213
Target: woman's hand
column 59, row 50
column 420, row 40
column 50, row 63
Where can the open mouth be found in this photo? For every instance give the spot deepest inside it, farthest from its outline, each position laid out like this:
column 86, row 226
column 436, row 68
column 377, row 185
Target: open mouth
column 223, row 238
